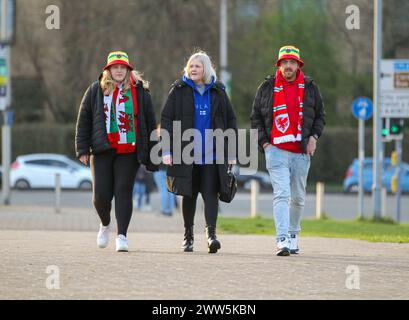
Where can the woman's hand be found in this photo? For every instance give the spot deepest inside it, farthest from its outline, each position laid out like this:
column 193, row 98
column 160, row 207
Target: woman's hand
column 84, row 159
column 167, row 160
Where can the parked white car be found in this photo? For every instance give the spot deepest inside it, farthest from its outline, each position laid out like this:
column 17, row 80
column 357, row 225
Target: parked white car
column 39, row 171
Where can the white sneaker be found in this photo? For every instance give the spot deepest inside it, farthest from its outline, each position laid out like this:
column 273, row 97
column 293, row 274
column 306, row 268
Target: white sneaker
column 121, row 243
column 294, row 244
column 283, row 247
column 103, row 236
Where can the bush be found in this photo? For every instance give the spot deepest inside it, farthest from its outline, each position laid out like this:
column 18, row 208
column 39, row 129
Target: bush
column 43, row 138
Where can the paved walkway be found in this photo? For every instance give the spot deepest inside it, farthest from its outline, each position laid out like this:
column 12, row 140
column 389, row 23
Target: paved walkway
column 86, row 219
column 32, row 239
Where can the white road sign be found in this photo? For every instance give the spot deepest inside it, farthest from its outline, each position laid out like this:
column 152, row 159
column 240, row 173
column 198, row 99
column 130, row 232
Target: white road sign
column 7, row 21
column 394, row 88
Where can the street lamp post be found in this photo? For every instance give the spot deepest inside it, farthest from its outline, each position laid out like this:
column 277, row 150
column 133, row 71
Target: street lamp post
column 377, row 121
column 224, row 74
column 7, row 22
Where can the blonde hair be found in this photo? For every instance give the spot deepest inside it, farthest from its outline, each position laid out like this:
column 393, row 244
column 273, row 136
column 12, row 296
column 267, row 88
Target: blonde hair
column 208, row 68
column 108, row 85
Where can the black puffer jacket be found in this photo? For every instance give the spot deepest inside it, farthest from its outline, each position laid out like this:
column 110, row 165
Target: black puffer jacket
column 262, row 113
column 180, row 107
column 91, row 135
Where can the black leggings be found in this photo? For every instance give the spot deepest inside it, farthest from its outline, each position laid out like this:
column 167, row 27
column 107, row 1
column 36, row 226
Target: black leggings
column 205, row 179
column 114, row 176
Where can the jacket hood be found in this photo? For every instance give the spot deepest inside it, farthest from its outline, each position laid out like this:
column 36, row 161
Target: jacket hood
column 190, row 83
column 179, row 83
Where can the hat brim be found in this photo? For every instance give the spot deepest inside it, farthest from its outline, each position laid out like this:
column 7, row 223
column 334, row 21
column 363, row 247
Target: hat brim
column 300, row 62
column 118, row 62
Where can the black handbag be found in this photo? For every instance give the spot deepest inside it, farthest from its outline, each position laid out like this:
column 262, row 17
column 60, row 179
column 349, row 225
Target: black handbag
column 228, row 192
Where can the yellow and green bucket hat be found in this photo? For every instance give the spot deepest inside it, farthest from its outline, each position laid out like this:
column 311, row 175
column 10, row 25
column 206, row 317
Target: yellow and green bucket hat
column 118, row 57
column 289, row 52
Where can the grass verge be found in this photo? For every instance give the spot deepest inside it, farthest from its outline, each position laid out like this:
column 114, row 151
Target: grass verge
column 384, row 231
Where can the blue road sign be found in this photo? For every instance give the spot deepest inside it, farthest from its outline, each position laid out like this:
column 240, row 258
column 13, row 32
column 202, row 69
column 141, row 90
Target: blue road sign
column 362, row 108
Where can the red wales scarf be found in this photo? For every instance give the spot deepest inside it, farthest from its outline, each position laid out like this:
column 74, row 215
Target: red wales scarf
column 282, row 131
column 121, row 109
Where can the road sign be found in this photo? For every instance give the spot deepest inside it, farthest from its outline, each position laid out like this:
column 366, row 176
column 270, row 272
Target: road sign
column 394, row 87
column 362, row 108
column 5, row 98
column 7, row 21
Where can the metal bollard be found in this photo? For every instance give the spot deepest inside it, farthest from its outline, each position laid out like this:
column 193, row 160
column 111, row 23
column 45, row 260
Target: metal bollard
column 319, row 208
column 255, row 185
column 57, row 207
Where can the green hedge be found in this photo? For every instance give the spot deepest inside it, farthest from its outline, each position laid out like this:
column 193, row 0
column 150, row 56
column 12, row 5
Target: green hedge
column 336, row 148
column 43, row 137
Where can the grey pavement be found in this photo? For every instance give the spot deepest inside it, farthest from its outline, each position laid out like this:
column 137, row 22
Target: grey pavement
column 245, row 268
column 34, row 238
column 86, row 219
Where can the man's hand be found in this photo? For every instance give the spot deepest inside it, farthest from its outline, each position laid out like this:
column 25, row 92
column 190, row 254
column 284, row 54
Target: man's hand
column 167, row 160
column 311, row 146
column 84, row 159
column 266, row 145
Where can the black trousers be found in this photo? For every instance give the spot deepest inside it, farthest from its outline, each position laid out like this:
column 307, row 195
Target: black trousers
column 114, row 176
column 206, row 181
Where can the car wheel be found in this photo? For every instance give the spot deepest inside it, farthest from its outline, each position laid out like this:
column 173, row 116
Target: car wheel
column 353, row 188
column 22, row 184
column 85, row 185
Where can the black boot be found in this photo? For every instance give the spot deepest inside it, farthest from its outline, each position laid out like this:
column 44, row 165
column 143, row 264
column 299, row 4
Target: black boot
column 212, row 243
column 187, row 245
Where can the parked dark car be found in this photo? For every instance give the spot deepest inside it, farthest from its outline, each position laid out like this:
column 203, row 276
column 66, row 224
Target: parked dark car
column 245, row 176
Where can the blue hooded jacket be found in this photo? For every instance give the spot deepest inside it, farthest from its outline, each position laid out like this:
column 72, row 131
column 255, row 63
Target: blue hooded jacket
column 203, row 121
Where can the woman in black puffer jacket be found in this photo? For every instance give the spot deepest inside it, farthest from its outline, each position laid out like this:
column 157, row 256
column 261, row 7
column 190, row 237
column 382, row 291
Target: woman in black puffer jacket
column 198, row 101
column 115, row 121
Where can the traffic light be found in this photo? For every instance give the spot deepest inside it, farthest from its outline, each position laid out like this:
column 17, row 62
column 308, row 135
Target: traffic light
column 395, row 126
column 392, row 128
column 385, row 127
